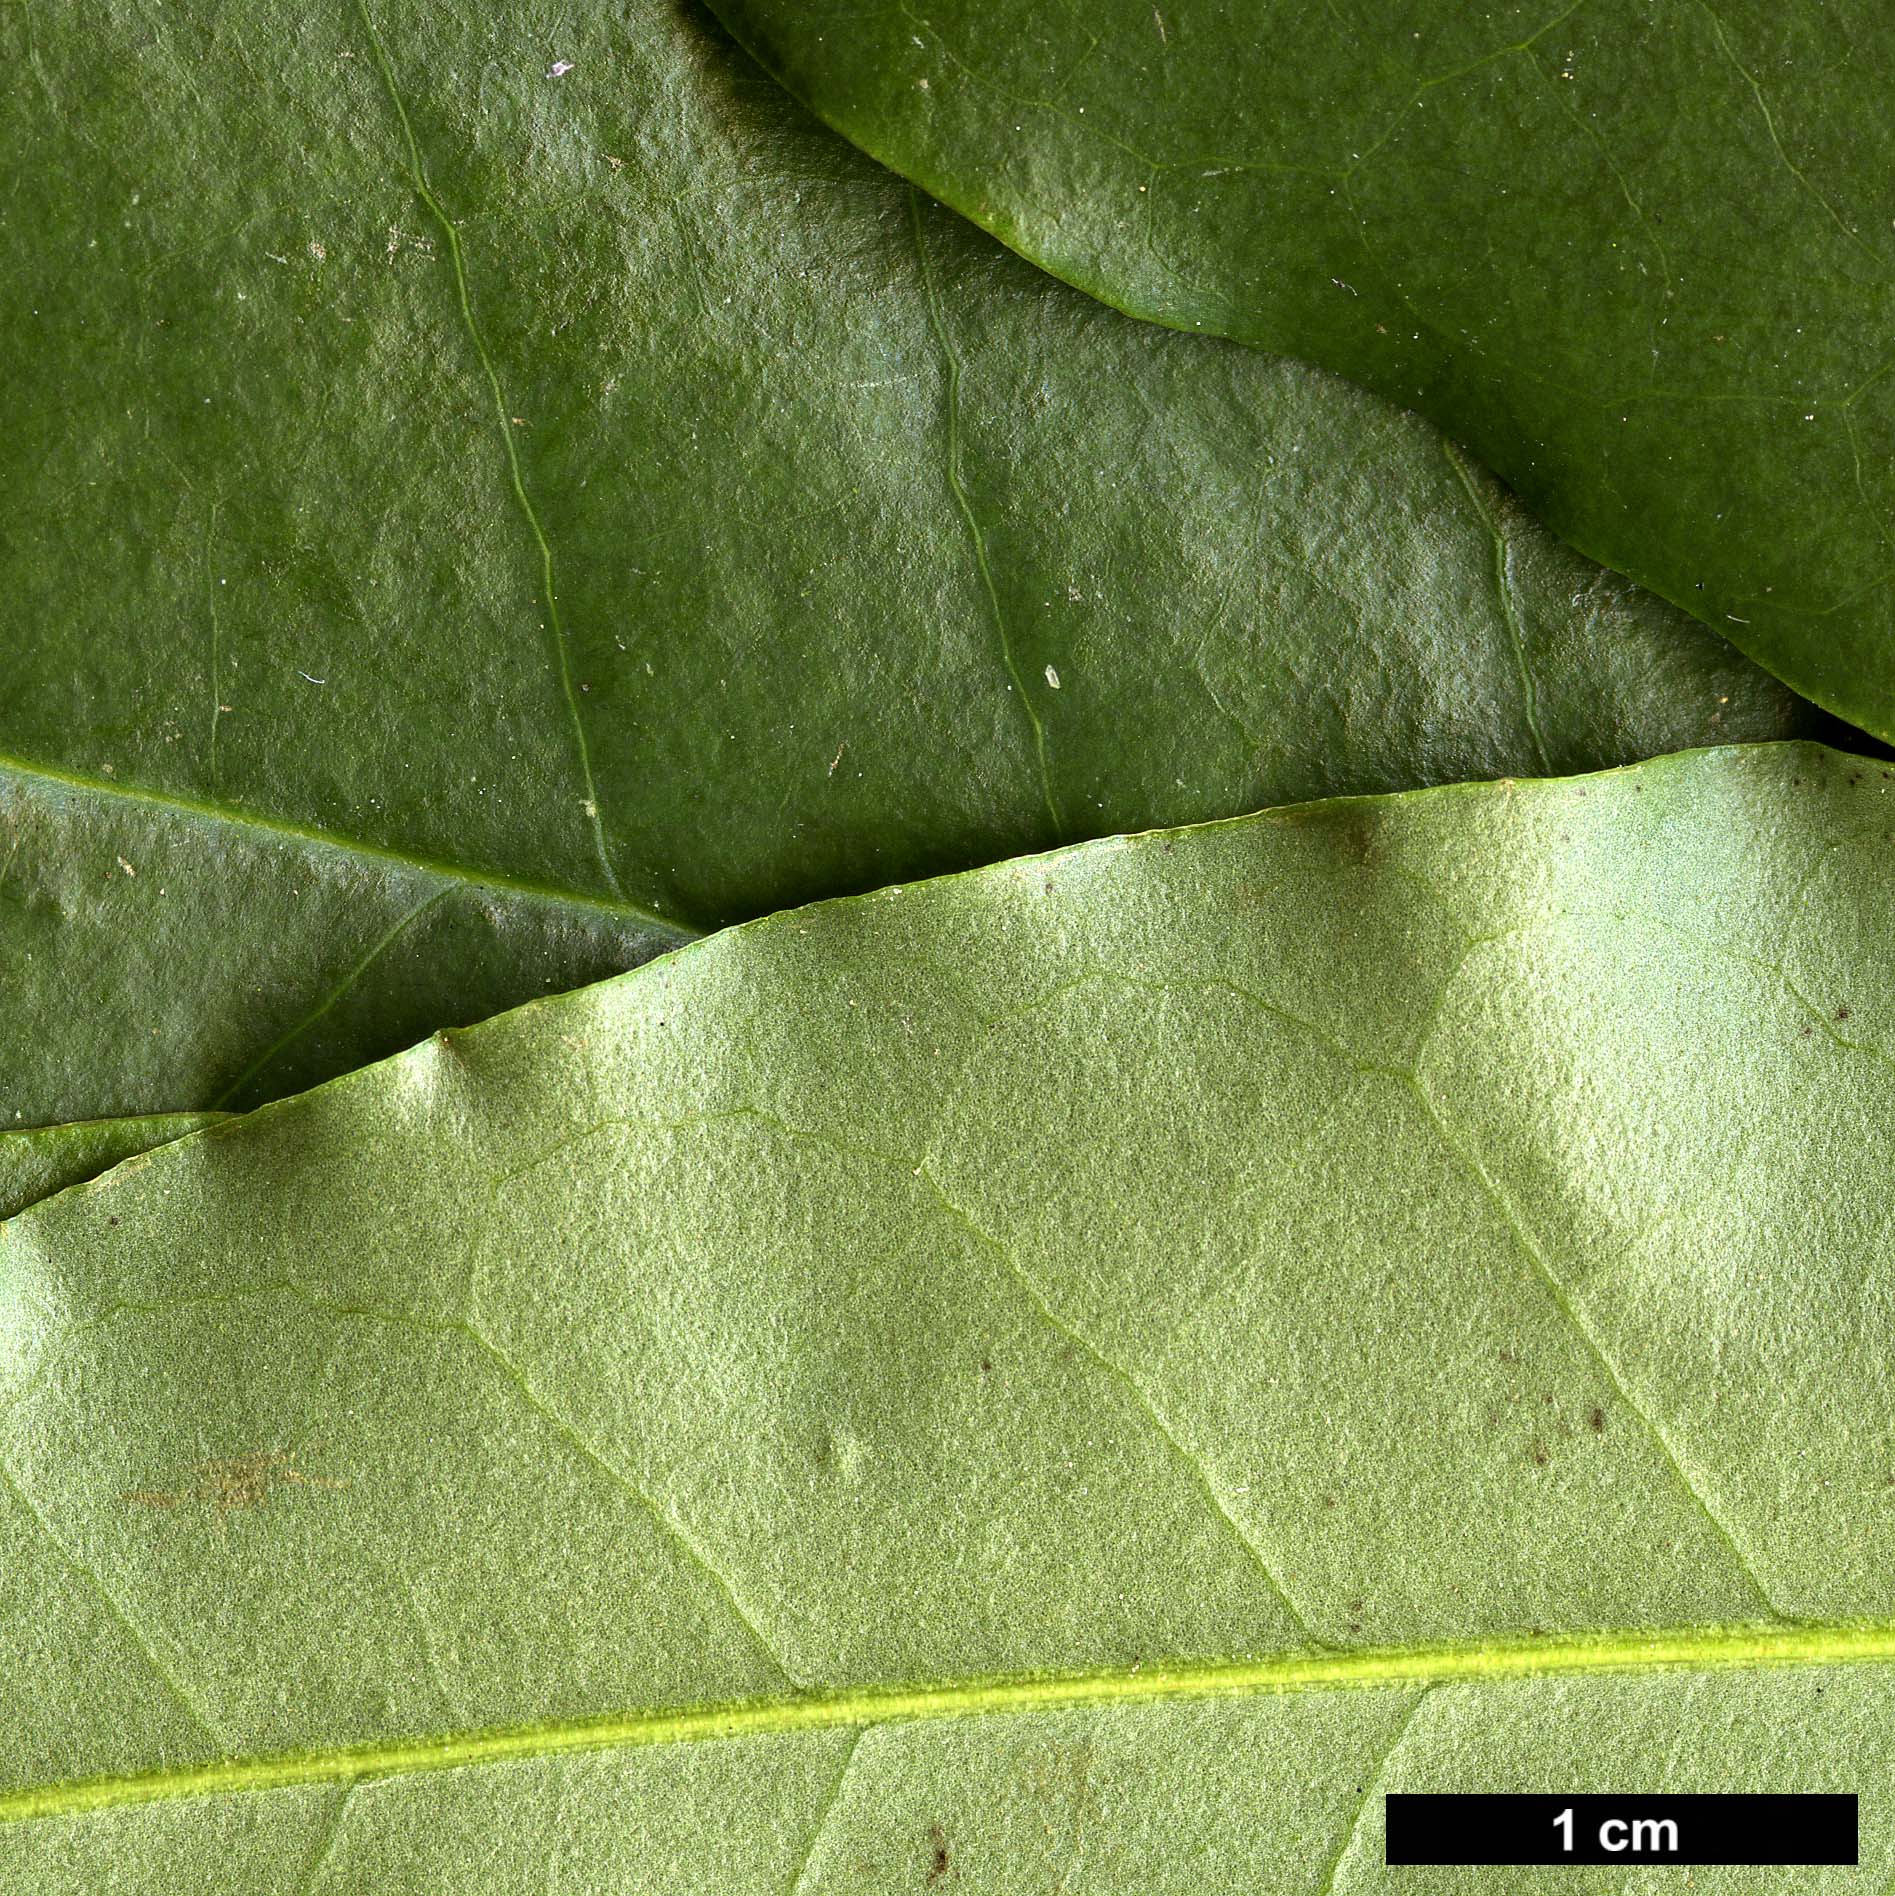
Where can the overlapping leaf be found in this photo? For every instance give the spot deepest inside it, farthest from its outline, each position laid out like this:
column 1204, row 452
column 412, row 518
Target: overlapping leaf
column 1639, row 257
column 37, row 1161
column 492, row 492
column 1085, row 1371
column 157, row 953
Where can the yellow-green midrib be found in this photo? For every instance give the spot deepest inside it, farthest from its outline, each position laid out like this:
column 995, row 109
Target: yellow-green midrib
column 1552, row 1655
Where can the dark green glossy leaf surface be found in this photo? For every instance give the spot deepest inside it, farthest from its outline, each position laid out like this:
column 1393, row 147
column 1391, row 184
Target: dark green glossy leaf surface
column 1079, row 1373
column 1637, row 256
column 164, row 954
column 610, row 485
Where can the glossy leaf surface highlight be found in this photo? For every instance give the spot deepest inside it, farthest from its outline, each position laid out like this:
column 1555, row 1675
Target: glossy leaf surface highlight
column 1639, row 258
column 611, row 484
column 1088, row 1368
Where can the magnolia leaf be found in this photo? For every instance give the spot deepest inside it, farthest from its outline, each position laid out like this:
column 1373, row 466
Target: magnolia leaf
column 1082, row 1374
column 1638, row 258
column 462, row 458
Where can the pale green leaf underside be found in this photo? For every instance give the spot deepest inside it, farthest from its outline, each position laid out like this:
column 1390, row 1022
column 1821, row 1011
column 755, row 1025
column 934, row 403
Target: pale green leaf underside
column 1411, row 1241
column 429, row 474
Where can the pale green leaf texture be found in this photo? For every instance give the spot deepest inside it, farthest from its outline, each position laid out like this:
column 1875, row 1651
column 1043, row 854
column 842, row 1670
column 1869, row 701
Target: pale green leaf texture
column 1639, row 257
column 432, row 475
column 1083, row 1373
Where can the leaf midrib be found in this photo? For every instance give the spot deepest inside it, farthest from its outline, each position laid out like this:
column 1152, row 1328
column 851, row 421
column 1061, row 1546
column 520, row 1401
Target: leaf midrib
column 1638, row 1650
column 210, row 811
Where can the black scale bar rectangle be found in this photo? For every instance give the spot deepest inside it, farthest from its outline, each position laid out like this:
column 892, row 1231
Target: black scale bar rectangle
column 1760, row 1830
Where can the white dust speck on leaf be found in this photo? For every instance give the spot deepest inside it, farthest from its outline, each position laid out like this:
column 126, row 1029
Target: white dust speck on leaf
column 1052, row 677
column 559, row 69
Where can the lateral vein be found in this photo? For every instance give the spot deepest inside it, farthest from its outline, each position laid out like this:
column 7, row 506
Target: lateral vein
column 329, row 1001
column 1471, row 1164
column 828, row 1810
column 1374, row 1784
column 1506, row 593
column 1193, row 1466
column 466, row 1328
column 418, row 177
column 951, row 367
column 173, row 1690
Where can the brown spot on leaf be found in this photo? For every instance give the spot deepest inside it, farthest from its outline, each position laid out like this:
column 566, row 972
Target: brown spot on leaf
column 940, row 1861
column 1842, row 1013
column 1358, row 838
column 1596, row 1421
column 237, row 1481
column 1539, row 1454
